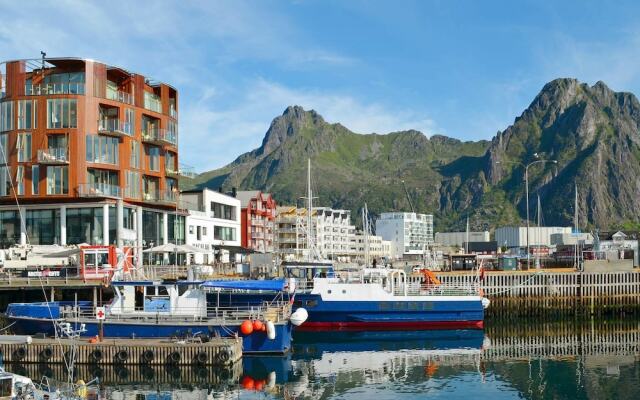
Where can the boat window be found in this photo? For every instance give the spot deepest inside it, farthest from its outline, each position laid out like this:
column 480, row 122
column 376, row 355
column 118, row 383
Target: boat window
column 311, row 303
column 344, row 291
column 182, row 289
column 162, row 291
column 139, row 298
column 6, row 387
column 329, row 291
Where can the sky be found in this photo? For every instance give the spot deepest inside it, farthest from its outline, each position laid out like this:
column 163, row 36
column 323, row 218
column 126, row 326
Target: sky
column 464, row 69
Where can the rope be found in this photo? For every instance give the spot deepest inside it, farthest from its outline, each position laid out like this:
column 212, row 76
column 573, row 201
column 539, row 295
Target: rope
column 518, row 285
column 8, row 326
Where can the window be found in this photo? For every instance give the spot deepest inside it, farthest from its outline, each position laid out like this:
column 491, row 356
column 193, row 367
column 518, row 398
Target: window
column 132, row 184
column 152, row 102
column 102, row 149
column 191, row 229
column 135, row 154
column 154, row 158
column 6, row 116
column 35, row 179
column 5, row 181
column 129, row 217
column 20, row 180
column 223, row 211
column 224, row 233
column 62, row 113
column 57, row 180
column 170, row 162
column 84, row 225
column 171, row 185
column 204, row 231
column 199, row 232
column 43, row 226
column 24, row 147
column 4, row 150
column 176, row 229
column 27, row 115
column 172, row 132
column 130, row 120
column 9, row 228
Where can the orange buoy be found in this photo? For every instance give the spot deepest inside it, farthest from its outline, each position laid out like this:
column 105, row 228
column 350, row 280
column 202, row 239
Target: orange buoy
column 248, row 383
column 257, row 325
column 264, row 328
column 260, row 385
column 246, row 328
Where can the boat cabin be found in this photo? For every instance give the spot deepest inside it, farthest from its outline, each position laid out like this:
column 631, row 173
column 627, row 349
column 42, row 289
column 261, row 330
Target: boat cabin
column 167, row 298
column 307, row 270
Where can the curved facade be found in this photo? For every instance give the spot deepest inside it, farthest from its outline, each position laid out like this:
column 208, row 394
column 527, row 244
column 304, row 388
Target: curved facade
column 89, row 150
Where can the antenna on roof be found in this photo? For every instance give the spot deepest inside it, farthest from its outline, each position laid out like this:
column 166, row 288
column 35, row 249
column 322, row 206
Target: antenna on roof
column 44, row 55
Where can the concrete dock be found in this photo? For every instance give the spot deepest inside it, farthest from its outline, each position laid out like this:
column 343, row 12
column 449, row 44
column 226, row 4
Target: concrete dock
column 219, row 351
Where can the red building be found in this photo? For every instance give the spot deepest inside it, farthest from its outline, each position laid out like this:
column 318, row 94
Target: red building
column 257, row 220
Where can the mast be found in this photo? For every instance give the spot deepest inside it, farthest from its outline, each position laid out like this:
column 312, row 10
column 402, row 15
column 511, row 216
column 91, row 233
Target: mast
column 310, row 207
column 575, row 226
column 365, row 228
column 466, row 246
column 538, row 234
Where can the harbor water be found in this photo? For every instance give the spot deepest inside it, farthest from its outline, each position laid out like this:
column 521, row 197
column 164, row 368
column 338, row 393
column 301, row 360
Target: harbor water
column 531, row 359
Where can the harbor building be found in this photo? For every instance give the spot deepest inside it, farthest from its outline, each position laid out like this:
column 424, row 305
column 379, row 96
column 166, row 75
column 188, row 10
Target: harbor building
column 378, row 247
column 457, row 239
column 516, row 236
column 212, row 223
column 331, row 231
column 257, row 218
column 90, row 152
column 409, row 233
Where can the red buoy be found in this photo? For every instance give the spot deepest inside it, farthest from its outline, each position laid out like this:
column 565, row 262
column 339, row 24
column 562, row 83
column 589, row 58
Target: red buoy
column 259, row 385
column 248, row 383
column 257, row 325
column 246, row 328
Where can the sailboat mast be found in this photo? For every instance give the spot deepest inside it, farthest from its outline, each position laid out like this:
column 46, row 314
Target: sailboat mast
column 539, row 234
column 310, row 205
column 575, row 228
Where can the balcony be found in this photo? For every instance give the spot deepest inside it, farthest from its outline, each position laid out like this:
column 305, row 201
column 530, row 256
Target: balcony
column 54, row 88
column 159, row 136
column 118, row 95
column 54, row 156
column 173, row 113
column 161, row 196
column 152, row 102
column 99, row 190
column 114, row 127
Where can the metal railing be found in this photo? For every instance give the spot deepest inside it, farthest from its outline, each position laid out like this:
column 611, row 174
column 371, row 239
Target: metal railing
column 113, row 125
column 99, row 190
column 54, row 88
column 53, row 156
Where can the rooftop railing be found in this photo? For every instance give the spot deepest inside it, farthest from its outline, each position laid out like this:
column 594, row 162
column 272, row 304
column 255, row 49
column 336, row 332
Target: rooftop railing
column 44, row 89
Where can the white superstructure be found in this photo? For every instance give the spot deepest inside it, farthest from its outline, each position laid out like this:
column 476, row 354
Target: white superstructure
column 409, row 233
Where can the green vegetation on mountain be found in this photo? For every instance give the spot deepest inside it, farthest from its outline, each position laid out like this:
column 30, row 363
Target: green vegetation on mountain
column 591, row 131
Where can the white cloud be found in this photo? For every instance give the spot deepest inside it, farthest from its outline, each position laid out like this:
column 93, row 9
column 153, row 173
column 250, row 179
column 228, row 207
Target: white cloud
column 215, row 133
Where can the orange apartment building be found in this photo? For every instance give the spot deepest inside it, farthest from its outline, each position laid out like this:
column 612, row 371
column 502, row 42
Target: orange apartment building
column 257, row 220
column 89, row 151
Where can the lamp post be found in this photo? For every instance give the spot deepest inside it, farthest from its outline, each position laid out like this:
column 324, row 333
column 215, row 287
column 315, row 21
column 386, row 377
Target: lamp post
column 526, row 180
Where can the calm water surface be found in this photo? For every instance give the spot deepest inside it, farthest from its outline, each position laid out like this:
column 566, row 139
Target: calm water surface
column 509, row 360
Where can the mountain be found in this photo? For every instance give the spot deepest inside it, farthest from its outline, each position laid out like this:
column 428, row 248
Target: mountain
column 591, row 131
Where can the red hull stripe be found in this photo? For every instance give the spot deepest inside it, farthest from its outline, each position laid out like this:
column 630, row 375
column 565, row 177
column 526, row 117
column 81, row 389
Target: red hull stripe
column 390, row 325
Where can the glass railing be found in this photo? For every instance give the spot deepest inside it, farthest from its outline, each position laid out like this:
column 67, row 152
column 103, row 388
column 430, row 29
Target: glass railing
column 173, row 113
column 54, row 88
column 114, row 125
column 96, row 189
column 118, row 95
column 53, row 156
column 152, row 103
column 159, row 135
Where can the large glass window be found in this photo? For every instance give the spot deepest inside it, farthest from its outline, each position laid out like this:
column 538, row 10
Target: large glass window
column 35, row 179
column 224, row 233
column 152, row 102
column 20, row 180
column 6, row 116
column 132, row 184
column 151, row 228
column 130, row 119
column 176, row 229
column 62, row 113
column 43, row 226
column 57, row 180
column 154, row 158
column 172, row 132
column 135, row 154
column 4, row 149
column 129, row 217
column 23, row 146
column 9, row 228
column 223, row 211
column 170, row 162
column 5, row 181
column 27, row 114
column 102, row 149
column 84, row 225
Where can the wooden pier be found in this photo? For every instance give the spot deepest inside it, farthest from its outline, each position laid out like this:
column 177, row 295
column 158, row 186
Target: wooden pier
column 124, row 352
column 552, row 293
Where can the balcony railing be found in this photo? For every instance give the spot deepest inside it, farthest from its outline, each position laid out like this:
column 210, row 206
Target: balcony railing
column 118, row 95
column 114, row 127
column 161, row 196
column 99, row 190
column 173, row 113
column 53, row 156
column 54, row 88
column 152, row 102
column 159, row 136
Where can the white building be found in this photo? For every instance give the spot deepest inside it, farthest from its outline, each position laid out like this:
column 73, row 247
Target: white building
column 331, row 230
column 378, row 247
column 409, row 233
column 617, row 244
column 213, row 223
column 512, row 236
column 457, row 239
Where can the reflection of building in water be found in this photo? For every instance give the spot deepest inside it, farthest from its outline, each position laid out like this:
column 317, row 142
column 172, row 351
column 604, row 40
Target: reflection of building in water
column 168, row 394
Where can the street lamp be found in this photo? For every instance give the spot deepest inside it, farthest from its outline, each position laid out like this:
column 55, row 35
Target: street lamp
column 526, row 179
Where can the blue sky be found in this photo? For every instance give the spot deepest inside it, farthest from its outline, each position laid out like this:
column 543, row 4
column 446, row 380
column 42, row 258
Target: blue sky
column 465, row 69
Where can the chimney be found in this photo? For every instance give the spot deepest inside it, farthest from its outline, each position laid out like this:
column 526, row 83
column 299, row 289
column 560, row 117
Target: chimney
column 234, row 192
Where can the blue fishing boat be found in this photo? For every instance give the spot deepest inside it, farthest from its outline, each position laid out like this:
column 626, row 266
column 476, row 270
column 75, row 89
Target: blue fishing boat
column 159, row 309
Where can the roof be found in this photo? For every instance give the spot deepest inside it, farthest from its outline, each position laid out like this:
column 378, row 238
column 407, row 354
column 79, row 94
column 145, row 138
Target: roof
column 245, row 196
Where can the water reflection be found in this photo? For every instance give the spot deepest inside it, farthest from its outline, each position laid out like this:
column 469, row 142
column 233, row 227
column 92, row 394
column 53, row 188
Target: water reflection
column 523, row 359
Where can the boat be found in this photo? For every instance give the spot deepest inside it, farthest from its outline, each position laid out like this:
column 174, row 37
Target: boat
column 170, row 309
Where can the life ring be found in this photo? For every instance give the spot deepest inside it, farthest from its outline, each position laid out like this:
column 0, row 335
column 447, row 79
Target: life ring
column 174, row 357
column 122, row 356
column 148, row 356
column 46, row 354
column 222, row 356
column 201, row 358
column 20, row 353
column 96, row 356
column 271, row 330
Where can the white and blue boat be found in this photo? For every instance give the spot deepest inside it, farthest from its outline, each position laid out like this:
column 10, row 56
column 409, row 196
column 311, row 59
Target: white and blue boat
column 164, row 309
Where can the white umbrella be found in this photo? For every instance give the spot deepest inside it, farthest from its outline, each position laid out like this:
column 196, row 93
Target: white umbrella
column 165, row 248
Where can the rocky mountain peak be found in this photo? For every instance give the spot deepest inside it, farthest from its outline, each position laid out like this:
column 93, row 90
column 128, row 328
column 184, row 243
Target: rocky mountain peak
column 290, row 123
